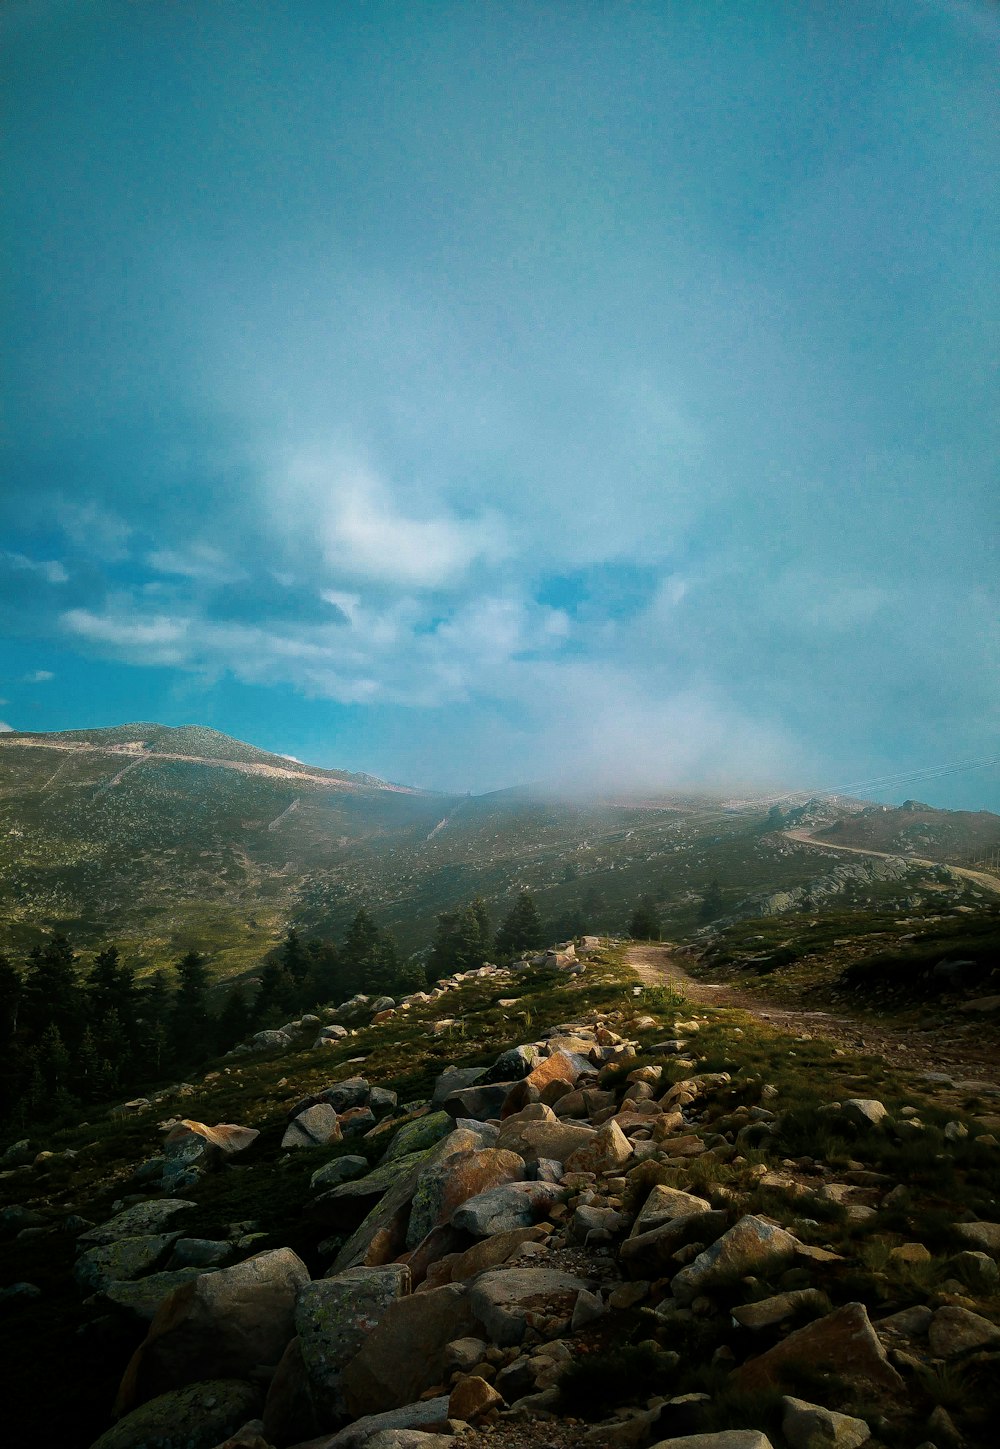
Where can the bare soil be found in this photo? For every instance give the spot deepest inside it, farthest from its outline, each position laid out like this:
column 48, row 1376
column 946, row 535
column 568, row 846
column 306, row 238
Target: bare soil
column 937, row 1049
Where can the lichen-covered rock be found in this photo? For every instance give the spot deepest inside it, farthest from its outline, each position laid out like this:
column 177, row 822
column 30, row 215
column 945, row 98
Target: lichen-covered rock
column 418, row 1135
column 269, row 1041
column 200, row 1253
column 134, row 1222
column 404, row 1354
column 455, row 1079
column 223, row 1324
column 609, row 1150
column 751, row 1246
column 444, row 1186
column 144, row 1296
column 554, row 1139
column 333, row 1317
column 341, row 1169
column 126, row 1258
column 513, row 1064
column 197, row 1417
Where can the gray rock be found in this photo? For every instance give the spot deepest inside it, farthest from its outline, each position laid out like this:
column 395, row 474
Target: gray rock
column 223, row 1324
column 752, row 1246
column 381, row 1099
column 865, row 1112
column 724, row 1439
column 480, row 1102
column 499, row 1210
column 663, row 1205
column 317, row 1126
column 649, row 1254
column 502, row 1300
column 809, row 1426
column 341, row 1169
column 333, row 1317
column 455, row 1079
column 144, row 1296
column 199, row 1253
column 127, row 1258
column 134, row 1222
column 957, row 1330
column 367, row 1432
column 197, row 1417
column 983, row 1236
column 464, row 1353
column 403, row 1356
column 979, row 1271
column 767, row 1312
column 19, row 1292
column 513, row 1064
column 269, row 1041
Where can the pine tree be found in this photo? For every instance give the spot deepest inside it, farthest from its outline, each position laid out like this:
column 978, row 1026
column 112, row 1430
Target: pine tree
column 359, row 953
column 481, row 912
column 294, row 958
column 11, row 992
column 190, row 1024
column 324, row 984
column 111, row 987
column 711, row 902
column 234, row 1019
column 274, row 995
column 521, row 929
column 156, row 1014
column 645, row 923
column 52, row 993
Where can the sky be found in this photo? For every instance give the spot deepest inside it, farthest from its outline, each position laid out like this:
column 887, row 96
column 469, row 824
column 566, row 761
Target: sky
column 473, row 393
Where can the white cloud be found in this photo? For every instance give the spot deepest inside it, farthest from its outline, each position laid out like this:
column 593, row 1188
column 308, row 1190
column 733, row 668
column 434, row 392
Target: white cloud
column 51, row 570
column 5, row 728
column 365, row 531
column 196, row 561
column 94, row 529
column 39, row 676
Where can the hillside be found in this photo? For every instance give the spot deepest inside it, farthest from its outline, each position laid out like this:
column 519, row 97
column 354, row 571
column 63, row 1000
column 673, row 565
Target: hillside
column 165, row 840
column 559, row 1207
column 957, row 837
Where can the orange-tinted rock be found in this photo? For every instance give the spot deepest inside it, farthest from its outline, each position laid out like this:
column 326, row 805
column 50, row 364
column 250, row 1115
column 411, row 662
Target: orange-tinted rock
column 443, row 1186
column 404, row 1354
column 843, row 1343
column 471, row 1398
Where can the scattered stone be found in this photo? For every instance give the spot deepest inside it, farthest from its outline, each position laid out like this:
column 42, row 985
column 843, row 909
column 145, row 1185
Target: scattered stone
column 724, row 1439
column 865, row 1113
column 608, row 1150
column 404, row 1354
column 126, row 1258
column 418, row 1135
column 269, row 1041
column 144, row 1296
column 983, row 1236
column 393, row 1429
column 444, row 1186
column 766, row 1312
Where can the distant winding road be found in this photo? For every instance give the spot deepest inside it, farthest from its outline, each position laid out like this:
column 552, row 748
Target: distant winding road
column 979, row 877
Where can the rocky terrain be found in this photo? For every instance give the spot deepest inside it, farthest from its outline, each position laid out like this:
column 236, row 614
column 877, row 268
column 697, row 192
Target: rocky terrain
column 638, row 1220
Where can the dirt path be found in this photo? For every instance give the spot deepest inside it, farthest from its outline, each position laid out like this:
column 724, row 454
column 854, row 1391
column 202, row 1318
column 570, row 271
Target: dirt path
column 978, row 877
column 939, row 1049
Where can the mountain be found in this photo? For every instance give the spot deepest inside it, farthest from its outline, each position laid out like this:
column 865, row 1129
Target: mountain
column 956, row 837
column 166, row 839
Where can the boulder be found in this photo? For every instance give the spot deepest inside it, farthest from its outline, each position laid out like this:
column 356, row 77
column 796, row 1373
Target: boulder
column 809, row 1426
column 499, row 1210
column 554, row 1139
column 767, row 1312
column 503, row 1301
column 843, row 1342
column 865, row 1113
column 289, row 1414
column 663, row 1205
column 134, row 1222
column 418, row 1135
column 395, row 1429
column 269, row 1041
column 956, row 1330
column 127, row 1258
column 199, row 1253
column 455, row 1079
column 471, row 1398
column 723, row 1439
column 198, row 1416
column 983, row 1236
column 404, row 1354
column 482, row 1102
column 650, row 1254
column 333, row 1317
column 489, row 1253
column 144, row 1296
column 317, row 1126
column 444, row 1186
column 608, row 1151
column 340, row 1169
column 223, row 1324
column 752, row 1246
column 513, row 1064
column 382, row 1235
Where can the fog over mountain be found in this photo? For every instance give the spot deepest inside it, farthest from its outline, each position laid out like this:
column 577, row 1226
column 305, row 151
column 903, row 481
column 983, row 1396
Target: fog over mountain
column 477, row 394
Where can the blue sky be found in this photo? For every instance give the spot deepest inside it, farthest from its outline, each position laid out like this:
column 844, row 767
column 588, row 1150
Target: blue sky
column 473, row 393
